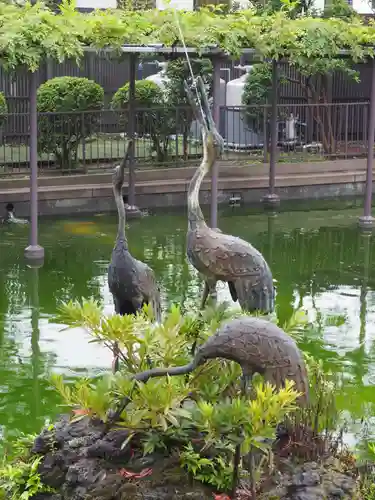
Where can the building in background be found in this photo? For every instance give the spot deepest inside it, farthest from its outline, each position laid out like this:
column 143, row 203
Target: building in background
column 360, row 6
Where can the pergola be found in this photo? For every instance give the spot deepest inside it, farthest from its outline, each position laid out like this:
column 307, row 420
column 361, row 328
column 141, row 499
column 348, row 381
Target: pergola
column 34, row 252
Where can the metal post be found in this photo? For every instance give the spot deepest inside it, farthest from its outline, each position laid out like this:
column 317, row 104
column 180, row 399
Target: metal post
column 271, row 199
column 216, row 117
column 366, row 222
column 34, row 252
column 131, row 209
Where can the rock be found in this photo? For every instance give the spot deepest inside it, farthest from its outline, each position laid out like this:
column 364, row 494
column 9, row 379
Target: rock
column 306, row 478
column 111, row 447
column 312, row 481
column 53, row 469
column 82, row 462
column 85, row 472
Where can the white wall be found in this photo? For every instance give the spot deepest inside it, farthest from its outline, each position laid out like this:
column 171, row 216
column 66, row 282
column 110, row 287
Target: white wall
column 96, row 4
column 175, row 4
column 361, row 6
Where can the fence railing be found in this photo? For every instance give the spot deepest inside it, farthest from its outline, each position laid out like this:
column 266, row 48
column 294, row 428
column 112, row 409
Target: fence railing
column 169, row 136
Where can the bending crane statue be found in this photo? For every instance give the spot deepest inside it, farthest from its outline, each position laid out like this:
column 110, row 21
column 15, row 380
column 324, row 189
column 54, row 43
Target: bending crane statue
column 131, row 282
column 218, row 256
column 258, row 346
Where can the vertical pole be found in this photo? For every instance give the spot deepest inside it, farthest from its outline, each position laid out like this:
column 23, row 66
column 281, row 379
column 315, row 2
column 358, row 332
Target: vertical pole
column 131, row 208
column 366, row 222
column 140, row 70
column 271, row 199
column 33, row 252
column 216, row 117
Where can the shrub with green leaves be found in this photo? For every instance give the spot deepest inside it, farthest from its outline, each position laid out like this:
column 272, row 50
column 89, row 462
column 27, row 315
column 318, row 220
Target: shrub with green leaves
column 19, row 476
column 204, row 409
column 152, row 116
column 3, row 109
column 177, row 72
column 256, row 94
column 69, row 111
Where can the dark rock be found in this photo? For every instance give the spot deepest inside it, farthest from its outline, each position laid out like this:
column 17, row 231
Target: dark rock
column 111, row 447
column 313, row 481
column 85, row 472
column 336, row 493
column 306, row 478
column 309, row 494
column 41, row 445
column 53, row 469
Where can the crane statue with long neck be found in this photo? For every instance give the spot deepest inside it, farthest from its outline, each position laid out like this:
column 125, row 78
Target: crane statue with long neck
column 215, row 255
column 131, row 282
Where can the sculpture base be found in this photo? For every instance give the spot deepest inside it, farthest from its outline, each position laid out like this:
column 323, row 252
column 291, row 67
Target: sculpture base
column 366, row 223
column 34, row 255
column 132, row 212
column 271, row 201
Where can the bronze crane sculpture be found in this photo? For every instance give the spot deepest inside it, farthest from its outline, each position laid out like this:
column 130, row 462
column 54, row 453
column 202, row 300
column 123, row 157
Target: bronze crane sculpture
column 215, row 255
column 131, row 282
column 258, row 345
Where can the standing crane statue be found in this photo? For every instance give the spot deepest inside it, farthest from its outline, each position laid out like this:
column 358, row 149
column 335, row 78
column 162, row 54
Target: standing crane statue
column 131, row 282
column 258, row 346
column 215, row 255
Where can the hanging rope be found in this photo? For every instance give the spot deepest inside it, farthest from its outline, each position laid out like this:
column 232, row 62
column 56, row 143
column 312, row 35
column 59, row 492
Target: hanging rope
column 189, row 63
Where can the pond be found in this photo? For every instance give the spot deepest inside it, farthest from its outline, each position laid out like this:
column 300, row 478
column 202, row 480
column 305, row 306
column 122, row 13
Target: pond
column 319, row 260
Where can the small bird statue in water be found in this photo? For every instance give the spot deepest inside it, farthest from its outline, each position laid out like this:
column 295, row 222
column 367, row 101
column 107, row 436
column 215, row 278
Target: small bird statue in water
column 10, row 218
column 215, row 255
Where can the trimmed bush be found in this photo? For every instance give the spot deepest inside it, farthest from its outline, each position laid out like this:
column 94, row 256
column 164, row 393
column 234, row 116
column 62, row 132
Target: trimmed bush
column 153, row 114
column 73, row 106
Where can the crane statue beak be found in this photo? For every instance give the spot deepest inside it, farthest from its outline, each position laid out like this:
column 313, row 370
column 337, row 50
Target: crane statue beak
column 118, row 175
column 209, row 122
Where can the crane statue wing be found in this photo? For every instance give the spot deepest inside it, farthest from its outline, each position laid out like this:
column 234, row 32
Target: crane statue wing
column 225, row 256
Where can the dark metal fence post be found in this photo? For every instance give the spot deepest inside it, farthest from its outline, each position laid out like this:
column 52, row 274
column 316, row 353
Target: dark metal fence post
column 33, row 252
column 132, row 210
column 271, row 199
column 216, row 116
column 366, row 222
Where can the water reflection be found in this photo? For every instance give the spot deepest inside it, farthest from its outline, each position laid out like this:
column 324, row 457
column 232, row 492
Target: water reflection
column 35, row 412
column 319, row 260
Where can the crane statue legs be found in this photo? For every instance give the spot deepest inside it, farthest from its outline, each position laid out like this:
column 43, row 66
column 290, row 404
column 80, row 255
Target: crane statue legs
column 131, row 282
column 259, row 346
column 215, row 255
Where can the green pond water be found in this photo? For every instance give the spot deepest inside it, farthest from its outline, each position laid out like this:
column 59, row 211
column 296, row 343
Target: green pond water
column 319, row 260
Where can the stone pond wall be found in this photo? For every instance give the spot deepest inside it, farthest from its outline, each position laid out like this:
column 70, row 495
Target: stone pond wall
column 167, row 188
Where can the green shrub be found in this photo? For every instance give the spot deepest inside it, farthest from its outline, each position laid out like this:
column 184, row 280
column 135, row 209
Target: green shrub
column 197, row 413
column 177, row 72
column 153, row 116
column 72, row 105
column 3, row 109
column 256, row 94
